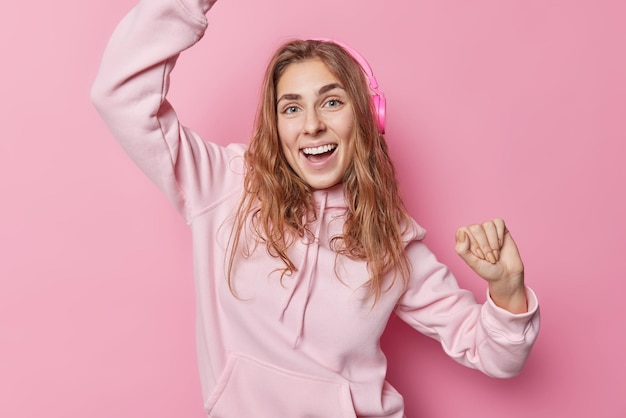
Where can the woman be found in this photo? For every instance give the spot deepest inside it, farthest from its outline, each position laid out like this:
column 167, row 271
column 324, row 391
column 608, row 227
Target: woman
column 302, row 247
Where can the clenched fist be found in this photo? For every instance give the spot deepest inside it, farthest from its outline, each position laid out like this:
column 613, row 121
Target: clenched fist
column 490, row 251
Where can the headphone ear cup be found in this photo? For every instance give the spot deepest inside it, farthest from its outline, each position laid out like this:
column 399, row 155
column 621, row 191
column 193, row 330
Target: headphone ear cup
column 380, row 105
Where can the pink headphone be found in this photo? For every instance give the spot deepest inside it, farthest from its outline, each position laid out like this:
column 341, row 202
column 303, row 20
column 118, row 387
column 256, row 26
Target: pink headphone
column 378, row 97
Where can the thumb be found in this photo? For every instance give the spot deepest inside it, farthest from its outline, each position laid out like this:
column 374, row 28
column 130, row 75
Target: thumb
column 462, row 246
column 462, row 242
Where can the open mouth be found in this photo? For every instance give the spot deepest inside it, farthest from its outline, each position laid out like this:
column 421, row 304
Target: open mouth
column 319, row 153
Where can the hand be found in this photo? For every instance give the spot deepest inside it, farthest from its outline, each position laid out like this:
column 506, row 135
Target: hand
column 490, row 251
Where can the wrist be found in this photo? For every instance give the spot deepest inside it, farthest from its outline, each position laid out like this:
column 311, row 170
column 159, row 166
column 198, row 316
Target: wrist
column 509, row 294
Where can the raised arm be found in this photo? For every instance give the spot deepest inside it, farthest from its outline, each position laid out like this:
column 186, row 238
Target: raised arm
column 130, row 94
column 486, row 337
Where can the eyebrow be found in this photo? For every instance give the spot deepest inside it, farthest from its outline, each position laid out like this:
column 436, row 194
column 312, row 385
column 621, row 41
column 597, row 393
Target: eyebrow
column 322, row 90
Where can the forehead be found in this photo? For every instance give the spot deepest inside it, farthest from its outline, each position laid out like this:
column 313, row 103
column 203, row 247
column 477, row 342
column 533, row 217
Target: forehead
column 305, row 76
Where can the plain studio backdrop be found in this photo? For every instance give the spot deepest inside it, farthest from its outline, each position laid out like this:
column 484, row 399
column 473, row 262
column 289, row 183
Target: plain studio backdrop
column 495, row 108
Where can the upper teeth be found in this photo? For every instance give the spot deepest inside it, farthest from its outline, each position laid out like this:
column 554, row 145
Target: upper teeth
column 319, row 150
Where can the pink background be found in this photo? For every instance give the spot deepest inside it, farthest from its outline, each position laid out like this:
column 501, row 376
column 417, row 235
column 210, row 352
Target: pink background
column 496, row 108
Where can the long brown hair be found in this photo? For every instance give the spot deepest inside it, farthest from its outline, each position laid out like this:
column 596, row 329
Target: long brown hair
column 277, row 204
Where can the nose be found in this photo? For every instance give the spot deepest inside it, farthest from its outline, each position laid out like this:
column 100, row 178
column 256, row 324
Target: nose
column 313, row 124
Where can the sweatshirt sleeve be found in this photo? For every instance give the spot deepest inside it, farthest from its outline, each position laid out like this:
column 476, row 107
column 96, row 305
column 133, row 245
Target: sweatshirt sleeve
column 484, row 337
column 130, row 94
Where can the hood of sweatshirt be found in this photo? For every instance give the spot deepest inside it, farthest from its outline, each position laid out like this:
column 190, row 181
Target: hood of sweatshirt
column 330, row 205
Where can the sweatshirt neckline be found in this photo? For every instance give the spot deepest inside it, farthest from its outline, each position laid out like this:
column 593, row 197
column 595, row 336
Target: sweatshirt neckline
column 333, row 197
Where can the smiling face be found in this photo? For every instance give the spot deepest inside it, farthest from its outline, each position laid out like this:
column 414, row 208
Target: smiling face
column 316, row 123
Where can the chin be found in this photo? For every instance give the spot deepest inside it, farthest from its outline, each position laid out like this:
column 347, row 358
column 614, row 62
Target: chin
column 322, row 185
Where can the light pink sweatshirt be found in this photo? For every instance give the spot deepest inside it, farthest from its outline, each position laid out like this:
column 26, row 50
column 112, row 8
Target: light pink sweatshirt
column 309, row 346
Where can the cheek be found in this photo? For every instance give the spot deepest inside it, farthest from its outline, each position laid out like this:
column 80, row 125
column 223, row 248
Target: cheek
column 348, row 129
column 281, row 132
column 346, row 122
column 285, row 142
column 286, row 135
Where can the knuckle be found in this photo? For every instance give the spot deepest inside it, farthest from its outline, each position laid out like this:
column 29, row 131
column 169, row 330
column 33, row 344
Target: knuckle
column 489, row 225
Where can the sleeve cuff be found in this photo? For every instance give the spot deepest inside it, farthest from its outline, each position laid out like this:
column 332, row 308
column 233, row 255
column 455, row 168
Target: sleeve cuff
column 513, row 327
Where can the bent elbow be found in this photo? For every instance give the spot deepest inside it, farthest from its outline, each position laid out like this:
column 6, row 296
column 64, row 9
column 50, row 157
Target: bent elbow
column 99, row 96
column 506, row 369
column 504, row 374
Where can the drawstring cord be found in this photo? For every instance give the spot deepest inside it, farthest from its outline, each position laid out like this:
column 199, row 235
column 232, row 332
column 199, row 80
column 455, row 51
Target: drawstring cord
column 307, row 274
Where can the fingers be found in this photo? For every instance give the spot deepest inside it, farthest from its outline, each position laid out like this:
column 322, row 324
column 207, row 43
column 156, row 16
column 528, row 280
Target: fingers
column 500, row 230
column 483, row 240
column 462, row 242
